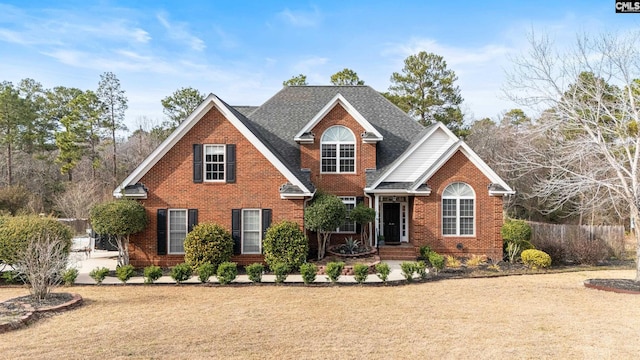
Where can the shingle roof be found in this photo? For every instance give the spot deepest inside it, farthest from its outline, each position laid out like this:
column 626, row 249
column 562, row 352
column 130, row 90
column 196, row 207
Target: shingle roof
column 281, row 117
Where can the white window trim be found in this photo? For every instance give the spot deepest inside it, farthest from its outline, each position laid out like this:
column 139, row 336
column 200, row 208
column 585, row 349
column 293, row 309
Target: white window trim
column 224, row 163
column 457, row 199
column 338, row 143
column 348, row 200
column 186, row 217
column 259, row 232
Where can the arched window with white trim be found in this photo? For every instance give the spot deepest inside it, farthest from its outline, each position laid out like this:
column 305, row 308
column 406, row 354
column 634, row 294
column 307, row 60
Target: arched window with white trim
column 338, row 150
column 458, row 210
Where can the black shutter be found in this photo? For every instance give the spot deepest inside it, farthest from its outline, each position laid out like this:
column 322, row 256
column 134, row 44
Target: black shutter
column 197, row 163
column 359, row 200
column 266, row 221
column 161, row 231
column 231, row 163
column 235, row 230
column 193, row 219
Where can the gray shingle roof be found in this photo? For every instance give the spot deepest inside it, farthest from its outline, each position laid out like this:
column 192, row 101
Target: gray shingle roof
column 280, row 118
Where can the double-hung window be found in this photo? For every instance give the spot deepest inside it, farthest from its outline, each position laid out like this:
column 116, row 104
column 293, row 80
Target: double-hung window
column 458, row 211
column 348, row 226
column 338, row 150
column 251, row 231
column 214, row 162
column 177, row 230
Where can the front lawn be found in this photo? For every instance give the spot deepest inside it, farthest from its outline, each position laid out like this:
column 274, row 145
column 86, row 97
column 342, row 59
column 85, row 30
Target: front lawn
column 533, row 316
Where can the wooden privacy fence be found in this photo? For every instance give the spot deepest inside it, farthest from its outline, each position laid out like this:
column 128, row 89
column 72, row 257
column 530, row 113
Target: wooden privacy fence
column 611, row 235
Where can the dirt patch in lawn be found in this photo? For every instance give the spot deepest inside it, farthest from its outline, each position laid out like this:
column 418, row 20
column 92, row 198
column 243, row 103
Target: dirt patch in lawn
column 526, row 317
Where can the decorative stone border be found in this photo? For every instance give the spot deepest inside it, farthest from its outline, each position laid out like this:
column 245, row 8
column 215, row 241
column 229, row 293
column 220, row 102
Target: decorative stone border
column 32, row 314
column 594, row 284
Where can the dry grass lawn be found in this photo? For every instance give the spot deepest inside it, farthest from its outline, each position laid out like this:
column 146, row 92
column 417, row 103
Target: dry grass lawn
column 524, row 317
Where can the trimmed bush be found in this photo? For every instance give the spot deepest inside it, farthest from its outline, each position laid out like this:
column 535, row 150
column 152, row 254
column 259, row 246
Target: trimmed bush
column 425, row 251
column 17, row 232
column 536, row 258
column 208, row 243
column 383, row 270
column 227, row 272
column 181, row 272
column 308, row 271
column 254, row 272
column 408, row 268
column 205, row 271
column 125, row 272
column 285, row 243
column 69, row 276
column 421, row 269
column 281, row 271
column 334, row 270
column 152, row 273
column 437, row 261
column 98, row 274
column 360, row 273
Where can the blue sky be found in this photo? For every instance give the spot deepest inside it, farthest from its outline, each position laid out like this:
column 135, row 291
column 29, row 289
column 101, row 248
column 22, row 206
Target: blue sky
column 242, row 51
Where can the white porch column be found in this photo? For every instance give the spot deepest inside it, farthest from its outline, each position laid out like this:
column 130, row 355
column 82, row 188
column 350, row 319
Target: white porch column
column 377, row 209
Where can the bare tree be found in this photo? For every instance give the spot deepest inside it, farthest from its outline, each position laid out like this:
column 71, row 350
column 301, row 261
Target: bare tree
column 590, row 94
column 78, row 199
column 42, row 262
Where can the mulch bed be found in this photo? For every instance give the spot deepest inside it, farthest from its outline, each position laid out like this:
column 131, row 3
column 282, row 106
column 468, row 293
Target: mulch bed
column 624, row 286
column 18, row 312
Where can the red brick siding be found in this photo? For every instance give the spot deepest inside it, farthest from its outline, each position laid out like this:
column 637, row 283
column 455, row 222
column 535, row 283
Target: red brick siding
column 170, row 184
column 426, row 218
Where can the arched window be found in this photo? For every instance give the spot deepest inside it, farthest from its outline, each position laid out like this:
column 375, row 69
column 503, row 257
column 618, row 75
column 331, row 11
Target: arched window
column 338, row 150
column 458, row 210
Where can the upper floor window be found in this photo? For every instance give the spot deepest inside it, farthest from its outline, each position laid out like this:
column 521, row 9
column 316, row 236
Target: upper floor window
column 338, row 150
column 214, row 162
column 458, row 211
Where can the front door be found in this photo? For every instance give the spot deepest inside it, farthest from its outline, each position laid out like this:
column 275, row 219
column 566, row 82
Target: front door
column 391, row 220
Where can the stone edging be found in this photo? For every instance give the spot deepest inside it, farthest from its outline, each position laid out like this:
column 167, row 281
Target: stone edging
column 32, row 314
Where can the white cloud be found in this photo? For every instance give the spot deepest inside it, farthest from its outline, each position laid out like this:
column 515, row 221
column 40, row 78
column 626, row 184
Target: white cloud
column 299, row 18
column 178, row 31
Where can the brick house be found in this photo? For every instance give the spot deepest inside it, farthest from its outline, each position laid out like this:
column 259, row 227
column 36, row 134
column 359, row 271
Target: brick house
column 246, row 167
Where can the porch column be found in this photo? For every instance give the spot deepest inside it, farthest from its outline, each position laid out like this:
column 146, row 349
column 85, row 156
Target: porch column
column 377, row 224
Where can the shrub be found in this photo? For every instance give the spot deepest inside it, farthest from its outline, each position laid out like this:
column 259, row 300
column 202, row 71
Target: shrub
column 383, row 270
column 308, row 272
column 152, row 273
column 452, row 261
column 285, row 243
column 17, row 232
column 585, row 251
column 208, row 243
column 334, row 270
column 125, row 272
column 362, row 215
column 360, row 273
column 516, row 235
column 554, row 248
column 254, row 271
column 437, row 261
column 425, row 251
column 281, row 271
column 205, row 271
column 421, row 269
column 14, row 277
column 408, row 268
column 476, row 260
column 13, row 199
column 98, row 274
column 324, row 215
column 181, row 272
column 69, row 276
column 227, row 272
column 536, row 258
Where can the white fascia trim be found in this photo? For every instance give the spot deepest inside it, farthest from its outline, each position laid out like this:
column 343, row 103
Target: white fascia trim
column 397, row 191
column 338, row 99
column 187, row 124
column 411, row 150
column 501, row 193
column 475, row 160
